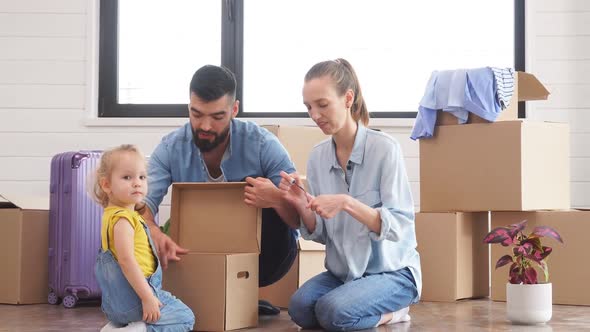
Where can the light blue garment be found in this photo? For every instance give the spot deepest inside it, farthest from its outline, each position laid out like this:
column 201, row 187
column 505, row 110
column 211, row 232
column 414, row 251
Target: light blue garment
column 459, row 92
column 121, row 304
column 424, row 124
column 253, row 151
column 480, row 94
column 446, row 91
column 325, row 301
column 380, row 181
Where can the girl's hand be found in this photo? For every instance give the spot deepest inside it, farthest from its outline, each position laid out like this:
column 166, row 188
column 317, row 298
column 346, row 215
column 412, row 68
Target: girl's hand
column 328, row 206
column 151, row 309
column 292, row 192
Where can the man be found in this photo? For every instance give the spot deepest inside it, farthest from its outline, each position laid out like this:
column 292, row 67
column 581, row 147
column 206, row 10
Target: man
column 216, row 147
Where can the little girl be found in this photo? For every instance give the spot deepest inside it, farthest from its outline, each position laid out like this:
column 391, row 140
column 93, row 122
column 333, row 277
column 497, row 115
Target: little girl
column 127, row 267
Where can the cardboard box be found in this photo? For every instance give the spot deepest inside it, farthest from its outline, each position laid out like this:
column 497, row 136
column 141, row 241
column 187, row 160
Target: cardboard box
column 24, row 224
column 218, row 279
column 220, row 289
column 308, row 264
column 455, row 264
column 502, row 166
column 299, row 141
column 568, row 270
column 526, row 87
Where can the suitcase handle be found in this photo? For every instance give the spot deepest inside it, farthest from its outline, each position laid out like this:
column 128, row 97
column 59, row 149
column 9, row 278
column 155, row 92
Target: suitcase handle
column 78, row 158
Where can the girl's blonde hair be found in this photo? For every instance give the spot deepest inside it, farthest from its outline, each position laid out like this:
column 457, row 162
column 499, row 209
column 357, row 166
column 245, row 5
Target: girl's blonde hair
column 105, row 168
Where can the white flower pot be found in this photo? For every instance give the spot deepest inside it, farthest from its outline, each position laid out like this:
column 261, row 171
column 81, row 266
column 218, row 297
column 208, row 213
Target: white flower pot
column 529, row 304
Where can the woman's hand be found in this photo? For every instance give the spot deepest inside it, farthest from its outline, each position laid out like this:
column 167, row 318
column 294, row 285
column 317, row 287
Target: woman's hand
column 328, row 206
column 292, row 192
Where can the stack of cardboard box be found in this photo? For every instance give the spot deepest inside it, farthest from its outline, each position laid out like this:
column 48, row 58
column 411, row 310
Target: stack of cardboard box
column 468, row 170
column 218, row 278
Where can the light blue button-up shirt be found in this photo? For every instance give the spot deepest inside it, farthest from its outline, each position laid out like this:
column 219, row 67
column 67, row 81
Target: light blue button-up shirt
column 379, row 180
column 253, row 151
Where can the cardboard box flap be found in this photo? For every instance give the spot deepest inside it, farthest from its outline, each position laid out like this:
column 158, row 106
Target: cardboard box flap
column 25, row 202
column 530, row 88
column 306, row 245
column 213, row 218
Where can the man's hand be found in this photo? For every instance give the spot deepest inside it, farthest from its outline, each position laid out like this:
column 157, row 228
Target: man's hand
column 167, row 249
column 261, row 193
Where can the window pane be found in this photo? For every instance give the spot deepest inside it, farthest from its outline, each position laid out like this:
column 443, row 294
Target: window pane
column 393, row 46
column 161, row 44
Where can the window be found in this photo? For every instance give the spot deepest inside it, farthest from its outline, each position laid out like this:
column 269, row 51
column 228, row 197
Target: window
column 150, row 49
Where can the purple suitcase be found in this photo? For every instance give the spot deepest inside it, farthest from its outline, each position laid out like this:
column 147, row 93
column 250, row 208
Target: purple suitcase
column 74, row 229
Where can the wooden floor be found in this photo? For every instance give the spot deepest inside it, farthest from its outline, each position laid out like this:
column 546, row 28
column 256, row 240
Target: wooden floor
column 468, row 315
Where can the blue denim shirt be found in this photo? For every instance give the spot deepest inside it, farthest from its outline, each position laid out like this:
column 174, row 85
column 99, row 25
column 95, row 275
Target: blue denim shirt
column 379, row 180
column 253, row 151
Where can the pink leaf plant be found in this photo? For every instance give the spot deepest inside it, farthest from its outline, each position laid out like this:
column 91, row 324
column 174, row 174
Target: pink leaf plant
column 527, row 251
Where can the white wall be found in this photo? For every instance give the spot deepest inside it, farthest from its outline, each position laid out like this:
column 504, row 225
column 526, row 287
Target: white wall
column 47, row 59
column 558, row 43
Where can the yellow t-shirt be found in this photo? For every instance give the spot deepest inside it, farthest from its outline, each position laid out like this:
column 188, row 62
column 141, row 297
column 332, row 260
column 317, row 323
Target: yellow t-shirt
column 141, row 244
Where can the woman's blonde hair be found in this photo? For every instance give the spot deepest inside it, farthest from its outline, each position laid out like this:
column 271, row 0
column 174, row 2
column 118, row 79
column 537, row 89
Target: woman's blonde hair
column 105, row 168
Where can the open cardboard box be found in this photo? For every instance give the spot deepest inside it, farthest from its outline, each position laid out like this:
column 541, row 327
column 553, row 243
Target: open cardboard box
column 218, row 278
column 24, row 224
column 526, row 87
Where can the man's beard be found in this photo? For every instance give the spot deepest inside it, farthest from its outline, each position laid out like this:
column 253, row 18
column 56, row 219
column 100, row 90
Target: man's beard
column 206, row 145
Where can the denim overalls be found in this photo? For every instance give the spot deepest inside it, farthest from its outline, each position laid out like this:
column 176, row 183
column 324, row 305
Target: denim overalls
column 121, row 304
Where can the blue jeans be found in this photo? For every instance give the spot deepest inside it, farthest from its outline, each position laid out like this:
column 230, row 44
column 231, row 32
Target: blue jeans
column 327, row 302
column 122, row 306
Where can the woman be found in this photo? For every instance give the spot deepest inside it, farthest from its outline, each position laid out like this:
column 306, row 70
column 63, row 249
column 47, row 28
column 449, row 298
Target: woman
column 360, row 207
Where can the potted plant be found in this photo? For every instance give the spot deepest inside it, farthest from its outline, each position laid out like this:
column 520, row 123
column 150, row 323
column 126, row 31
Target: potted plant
column 528, row 301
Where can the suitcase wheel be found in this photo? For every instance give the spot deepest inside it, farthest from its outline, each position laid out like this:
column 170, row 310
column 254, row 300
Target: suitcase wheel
column 70, row 301
column 52, row 298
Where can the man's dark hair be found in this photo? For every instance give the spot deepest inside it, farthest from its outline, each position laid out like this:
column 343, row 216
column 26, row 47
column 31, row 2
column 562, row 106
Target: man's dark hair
column 210, row 83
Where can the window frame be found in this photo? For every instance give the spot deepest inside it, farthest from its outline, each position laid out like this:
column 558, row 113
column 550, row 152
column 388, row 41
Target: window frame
column 232, row 47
